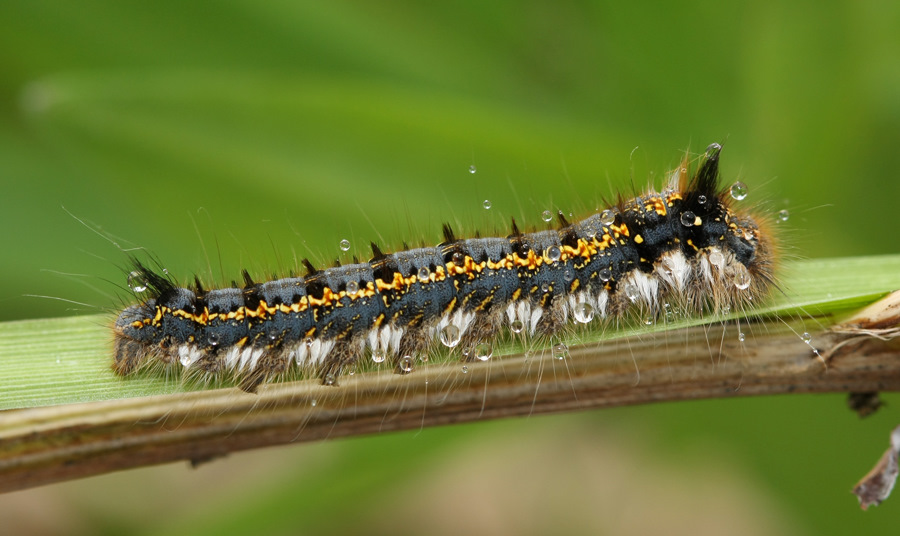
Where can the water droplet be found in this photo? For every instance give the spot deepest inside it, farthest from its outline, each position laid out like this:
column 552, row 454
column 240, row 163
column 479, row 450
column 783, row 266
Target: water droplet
column 545, row 287
column 472, row 168
column 450, row 336
column 560, row 351
column 457, row 258
column 607, row 217
column 486, row 204
column 213, row 339
column 741, row 277
column 701, row 199
column 783, row 215
column 352, row 287
column 378, row 355
column 605, row 274
column 483, row 351
column 186, row 360
column 406, row 363
column 726, row 310
column 712, row 150
column 554, row 253
column 516, row 326
column 688, row 218
column 583, row 313
column 312, row 402
column 631, row 291
column 329, row 379
column 739, row 190
column 806, row 337
column 465, row 369
column 345, row 245
column 273, row 335
column 351, row 372
column 741, row 336
column 424, row 273
column 137, row 282
column 569, row 275
column 546, row 215
column 308, row 342
column 717, row 259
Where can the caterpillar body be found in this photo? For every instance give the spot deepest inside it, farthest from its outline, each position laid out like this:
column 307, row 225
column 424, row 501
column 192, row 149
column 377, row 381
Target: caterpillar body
column 687, row 246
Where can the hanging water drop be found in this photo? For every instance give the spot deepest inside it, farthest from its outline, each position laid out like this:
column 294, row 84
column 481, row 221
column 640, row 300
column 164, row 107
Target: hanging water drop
column 345, row 245
column 487, row 204
column 378, row 355
column 739, row 190
column 741, row 277
column 329, row 379
column 560, row 351
column 741, row 336
column 483, row 351
column 450, row 336
column 516, row 326
column 783, row 215
column 406, row 363
column 137, row 282
column 806, row 337
column 631, row 291
column 472, row 168
column 583, row 313
column 546, row 215
column 716, row 258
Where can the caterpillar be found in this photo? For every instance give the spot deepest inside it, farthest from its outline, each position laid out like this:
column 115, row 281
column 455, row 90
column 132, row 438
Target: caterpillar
column 688, row 246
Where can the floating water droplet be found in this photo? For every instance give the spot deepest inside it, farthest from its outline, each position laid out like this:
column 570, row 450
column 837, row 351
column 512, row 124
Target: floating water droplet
column 713, row 150
column 701, row 199
column 406, row 363
column 583, row 313
column 378, row 355
column 345, row 245
column 716, row 258
column 472, row 168
column 424, row 273
column 450, row 336
column 605, row 274
column 483, row 351
column 487, row 204
column 137, row 282
column 516, row 326
column 329, row 379
column 465, row 369
column 688, row 218
column 352, row 287
column 546, row 215
column 631, row 291
column 783, row 215
column 213, row 339
column 739, row 190
column 607, row 217
column 554, row 253
column 741, row 336
column 806, row 337
column 560, row 351
column 741, row 277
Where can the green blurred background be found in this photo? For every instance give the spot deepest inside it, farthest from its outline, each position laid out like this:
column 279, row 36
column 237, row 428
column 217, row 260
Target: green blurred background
column 221, row 135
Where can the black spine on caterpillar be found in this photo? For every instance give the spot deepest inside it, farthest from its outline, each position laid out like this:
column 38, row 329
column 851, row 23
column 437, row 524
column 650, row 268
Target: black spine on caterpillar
column 685, row 246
